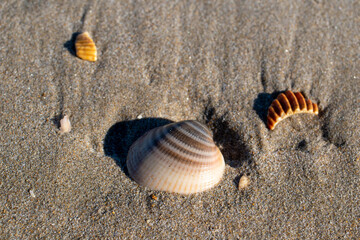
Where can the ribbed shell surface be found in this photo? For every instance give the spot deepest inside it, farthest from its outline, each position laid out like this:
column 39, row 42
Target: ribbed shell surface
column 179, row 157
column 85, row 47
column 287, row 104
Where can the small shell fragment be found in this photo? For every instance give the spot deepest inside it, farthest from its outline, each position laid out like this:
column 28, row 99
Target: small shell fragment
column 154, row 197
column 243, row 182
column 287, row 104
column 65, row 125
column 85, row 47
column 179, row 157
column 32, row 194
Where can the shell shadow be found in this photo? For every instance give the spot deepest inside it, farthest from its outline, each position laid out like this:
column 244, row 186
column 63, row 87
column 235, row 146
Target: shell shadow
column 122, row 135
column 337, row 139
column 233, row 146
column 70, row 45
column 56, row 120
column 263, row 102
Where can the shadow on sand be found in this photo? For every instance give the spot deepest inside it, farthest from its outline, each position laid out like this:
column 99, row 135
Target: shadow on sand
column 263, row 102
column 70, row 45
column 230, row 139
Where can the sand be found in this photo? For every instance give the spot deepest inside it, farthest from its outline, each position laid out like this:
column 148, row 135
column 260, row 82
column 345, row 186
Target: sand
column 220, row 63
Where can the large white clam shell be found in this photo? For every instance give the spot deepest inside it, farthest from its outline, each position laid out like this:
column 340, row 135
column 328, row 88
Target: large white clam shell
column 179, row 157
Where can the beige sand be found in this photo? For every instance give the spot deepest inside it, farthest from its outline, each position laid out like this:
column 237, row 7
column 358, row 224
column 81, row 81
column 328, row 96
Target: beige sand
column 220, row 63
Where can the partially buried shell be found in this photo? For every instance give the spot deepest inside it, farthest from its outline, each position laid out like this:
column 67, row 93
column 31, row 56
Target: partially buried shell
column 244, row 182
column 85, row 47
column 179, row 157
column 287, row 104
column 65, row 125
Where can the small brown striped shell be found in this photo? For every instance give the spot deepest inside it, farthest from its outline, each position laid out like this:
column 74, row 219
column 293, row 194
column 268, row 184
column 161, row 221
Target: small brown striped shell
column 179, row 157
column 287, row 104
column 85, row 47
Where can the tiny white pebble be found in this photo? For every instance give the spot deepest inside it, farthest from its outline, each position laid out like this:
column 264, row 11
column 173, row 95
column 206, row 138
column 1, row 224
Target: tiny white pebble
column 244, row 182
column 140, row 116
column 32, row 193
column 65, row 125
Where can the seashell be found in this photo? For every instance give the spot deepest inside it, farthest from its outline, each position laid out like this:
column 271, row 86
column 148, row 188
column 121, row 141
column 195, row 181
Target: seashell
column 32, row 193
column 179, row 157
column 65, row 125
column 244, row 182
column 288, row 104
column 85, row 47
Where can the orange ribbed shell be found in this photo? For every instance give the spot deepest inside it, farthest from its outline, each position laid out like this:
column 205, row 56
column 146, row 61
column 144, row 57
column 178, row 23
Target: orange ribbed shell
column 287, row 104
column 85, row 47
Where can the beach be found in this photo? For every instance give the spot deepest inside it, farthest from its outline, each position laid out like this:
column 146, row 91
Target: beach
column 220, row 63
